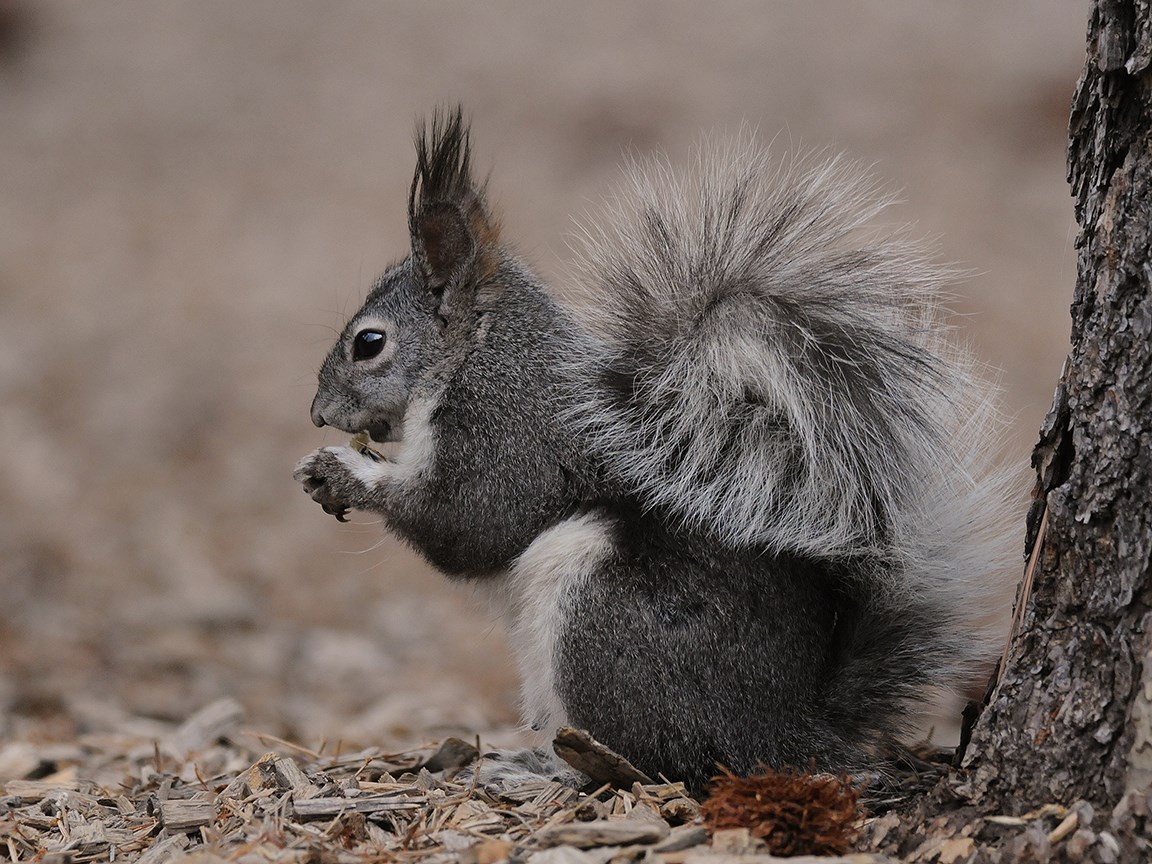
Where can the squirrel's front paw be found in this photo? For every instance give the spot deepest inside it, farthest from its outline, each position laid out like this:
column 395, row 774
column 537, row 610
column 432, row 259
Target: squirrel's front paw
column 328, row 476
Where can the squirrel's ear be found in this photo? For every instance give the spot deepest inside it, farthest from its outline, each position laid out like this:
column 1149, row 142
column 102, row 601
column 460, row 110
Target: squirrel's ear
column 454, row 238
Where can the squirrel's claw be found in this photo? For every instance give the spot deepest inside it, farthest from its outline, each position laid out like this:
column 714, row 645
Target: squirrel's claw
column 341, row 513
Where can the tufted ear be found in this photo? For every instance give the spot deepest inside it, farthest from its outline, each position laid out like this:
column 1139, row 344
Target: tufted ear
column 454, row 238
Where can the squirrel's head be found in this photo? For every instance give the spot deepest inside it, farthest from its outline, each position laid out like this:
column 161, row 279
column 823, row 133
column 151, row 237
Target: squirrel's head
column 422, row 315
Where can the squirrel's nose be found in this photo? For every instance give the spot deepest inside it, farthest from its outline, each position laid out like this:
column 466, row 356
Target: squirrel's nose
column 317, row 411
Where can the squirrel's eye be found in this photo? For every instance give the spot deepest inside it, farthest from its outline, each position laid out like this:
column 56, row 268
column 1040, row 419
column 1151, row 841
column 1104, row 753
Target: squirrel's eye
column 367, row 344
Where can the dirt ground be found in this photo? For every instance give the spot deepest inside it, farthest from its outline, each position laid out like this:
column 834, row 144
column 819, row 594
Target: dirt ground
column 194, row 194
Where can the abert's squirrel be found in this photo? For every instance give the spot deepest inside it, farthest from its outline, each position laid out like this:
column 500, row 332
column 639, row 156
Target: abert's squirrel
column 737, row 504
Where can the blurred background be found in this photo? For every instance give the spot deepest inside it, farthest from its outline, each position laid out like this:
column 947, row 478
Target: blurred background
column 193, row 196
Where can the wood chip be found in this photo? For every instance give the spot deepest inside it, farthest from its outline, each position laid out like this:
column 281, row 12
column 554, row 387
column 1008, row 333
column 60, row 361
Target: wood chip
column 683, row 837
column 733, row 841
column 598, row 762
column 678, row 811
column 37, row 790
column 570, row 855
column 183, row 815
column 587, row 835
column 291, row 778
column 164, row 850
column 326, row 808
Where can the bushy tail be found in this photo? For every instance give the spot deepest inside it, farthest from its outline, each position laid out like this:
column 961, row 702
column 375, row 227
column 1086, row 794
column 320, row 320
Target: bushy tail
column 774, row 373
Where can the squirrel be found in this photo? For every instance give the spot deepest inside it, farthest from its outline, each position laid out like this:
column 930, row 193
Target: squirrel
column 737, row 503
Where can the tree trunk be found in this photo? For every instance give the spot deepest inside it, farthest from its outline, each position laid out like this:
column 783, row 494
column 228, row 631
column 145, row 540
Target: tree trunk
column 1070, row 719
column 1070, row 716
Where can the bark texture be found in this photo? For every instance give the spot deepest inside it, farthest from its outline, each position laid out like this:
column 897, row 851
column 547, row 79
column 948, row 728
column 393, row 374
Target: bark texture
column 1069, row 722
column 1070, row 716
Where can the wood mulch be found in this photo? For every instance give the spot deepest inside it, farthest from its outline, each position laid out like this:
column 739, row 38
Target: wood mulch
column 208, row 791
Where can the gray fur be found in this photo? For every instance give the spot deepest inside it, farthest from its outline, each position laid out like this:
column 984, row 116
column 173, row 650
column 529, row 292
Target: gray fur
column 774, row 371
column 488, row 449
column 739, row 510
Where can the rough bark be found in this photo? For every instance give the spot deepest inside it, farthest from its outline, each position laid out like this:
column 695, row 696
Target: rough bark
column 1069, row 718
column 1069, row 722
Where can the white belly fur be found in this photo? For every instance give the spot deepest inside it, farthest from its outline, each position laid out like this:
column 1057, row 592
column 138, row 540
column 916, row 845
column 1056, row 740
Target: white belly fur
column 533, row 597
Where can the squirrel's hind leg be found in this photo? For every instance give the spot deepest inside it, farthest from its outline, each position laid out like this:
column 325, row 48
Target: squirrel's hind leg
column 685, row 658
